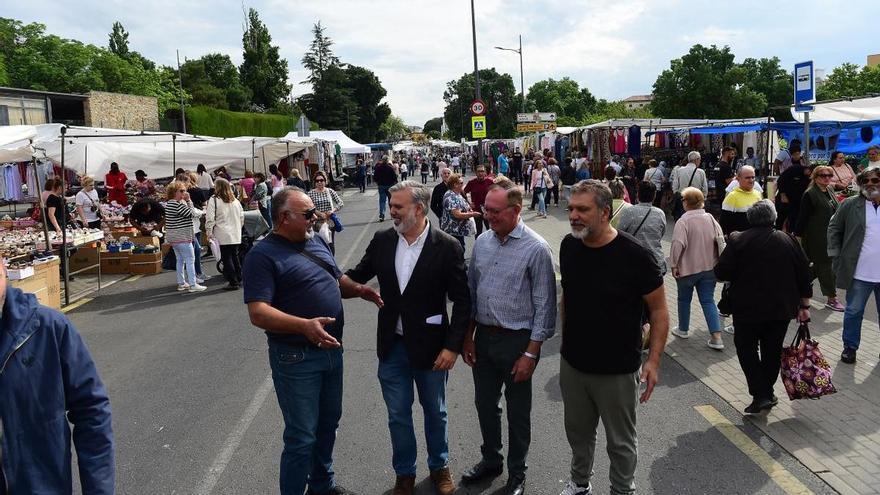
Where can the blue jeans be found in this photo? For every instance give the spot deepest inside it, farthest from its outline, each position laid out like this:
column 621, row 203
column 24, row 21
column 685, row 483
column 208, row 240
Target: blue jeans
column 856, row 300
column 267, row 214
column 383, row 198
column 704, row 282
column 197, row 249
column 540, row 193
column 308, row 384
column 186, row 258
column 396, row 377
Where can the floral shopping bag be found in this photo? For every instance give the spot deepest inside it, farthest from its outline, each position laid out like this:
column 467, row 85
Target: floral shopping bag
column 805, row 372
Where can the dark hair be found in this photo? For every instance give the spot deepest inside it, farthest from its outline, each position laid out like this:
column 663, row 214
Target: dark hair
column 273, row 169
column 646, row 191
column 114, row 167
column 51, row 184
column 259, row 176
column 179, row 171
column 728, row 148
column 834, row 156
column 610, row 173
column 201, row 168
column 794, row 148
column 140, row 173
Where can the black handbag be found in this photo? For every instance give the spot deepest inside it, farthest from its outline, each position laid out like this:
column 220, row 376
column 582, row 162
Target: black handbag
column 725, row 305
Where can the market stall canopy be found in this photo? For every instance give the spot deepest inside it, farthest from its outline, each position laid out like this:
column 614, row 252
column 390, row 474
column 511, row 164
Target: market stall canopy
column 442, row 143
column 683, row 124
column 346, row 144
column 855, row 110
column 565, row 130
column 827, row 136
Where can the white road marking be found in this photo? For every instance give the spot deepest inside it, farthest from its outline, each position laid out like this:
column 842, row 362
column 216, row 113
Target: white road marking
column 250, row 413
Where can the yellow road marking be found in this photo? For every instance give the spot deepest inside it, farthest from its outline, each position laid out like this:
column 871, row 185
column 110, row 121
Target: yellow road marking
column 769, row 465
column 72, row 306
column 133, row 278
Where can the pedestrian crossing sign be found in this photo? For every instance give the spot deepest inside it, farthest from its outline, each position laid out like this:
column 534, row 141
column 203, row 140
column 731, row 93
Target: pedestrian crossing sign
column 478, row 127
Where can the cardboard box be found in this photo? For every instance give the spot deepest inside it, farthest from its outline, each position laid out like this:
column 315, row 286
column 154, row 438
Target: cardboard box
column 115, row 263
column 45, row 284
column 84, row 257
column 20, row 273
column 144, row 241
column 145, row 264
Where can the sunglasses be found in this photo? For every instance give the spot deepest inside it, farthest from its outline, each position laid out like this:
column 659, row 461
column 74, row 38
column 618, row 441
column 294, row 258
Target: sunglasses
column 320, row 180
column 872, row 180
column 308, row 214
column 825, row 176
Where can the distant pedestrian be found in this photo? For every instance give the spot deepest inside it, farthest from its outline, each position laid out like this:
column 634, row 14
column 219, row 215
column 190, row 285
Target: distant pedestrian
column 327, row 203
column 263, row 197
column 790, row 189
column 555, row 181
column 619, row 200
column 439, row 192
column 811, row 228
column 457, row 212
column 509, row 331
column 854, row 248
column 417, row 342
column 385, row 178
column 689, row 175
column 477, row 188
column 516, row 166
column 296, row 181
column 425, row 169
column 601, row 366
column 293, row 290
column 361, row 175
column 404, row 170
column 646, row 222
column 179, row 215
column 541, row 183
column 655, row 175
column 224, row 218
column 738, row 201
column 567, row 178
column 769, row 277
column 693, row 255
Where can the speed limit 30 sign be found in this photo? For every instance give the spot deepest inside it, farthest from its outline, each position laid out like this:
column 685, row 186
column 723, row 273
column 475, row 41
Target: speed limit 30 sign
column 478, row 107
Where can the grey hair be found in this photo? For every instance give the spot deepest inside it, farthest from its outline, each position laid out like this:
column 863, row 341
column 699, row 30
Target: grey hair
column 693, row 156
column 598, row 189
column 762, row 214
column 420, row 194
column 739, row 173
column 279, row 202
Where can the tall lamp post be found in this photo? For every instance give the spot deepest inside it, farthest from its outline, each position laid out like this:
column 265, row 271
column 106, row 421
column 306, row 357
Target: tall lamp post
column 522, row 87
column 476, row 77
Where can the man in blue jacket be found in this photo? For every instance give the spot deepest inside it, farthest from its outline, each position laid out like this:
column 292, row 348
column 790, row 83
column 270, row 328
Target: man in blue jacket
column 47, row 382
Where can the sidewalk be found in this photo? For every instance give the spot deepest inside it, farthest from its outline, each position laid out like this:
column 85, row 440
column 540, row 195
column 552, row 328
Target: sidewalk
column 836, row 437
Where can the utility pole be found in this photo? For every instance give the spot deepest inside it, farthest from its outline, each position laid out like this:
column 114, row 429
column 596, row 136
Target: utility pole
column 476, row 77
column 522, row 86
column 180, row 79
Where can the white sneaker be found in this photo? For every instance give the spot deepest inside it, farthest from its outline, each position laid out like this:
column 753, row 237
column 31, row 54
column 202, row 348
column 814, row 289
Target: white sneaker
column 678, row 333
column 183, row 287
column 571, row 488
column 197, row 288
column 200, row 279
column 729, row 329
column 717, row 345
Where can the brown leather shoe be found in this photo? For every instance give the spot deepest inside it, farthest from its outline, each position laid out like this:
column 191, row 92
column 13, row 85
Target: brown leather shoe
column 405, row 485
column 442, row 480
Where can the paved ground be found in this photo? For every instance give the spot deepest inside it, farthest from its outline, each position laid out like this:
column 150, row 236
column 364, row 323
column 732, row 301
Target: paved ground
column 195, row 412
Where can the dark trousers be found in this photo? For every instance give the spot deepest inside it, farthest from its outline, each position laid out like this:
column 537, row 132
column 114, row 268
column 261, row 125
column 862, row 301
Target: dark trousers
column 231, row 263
column 424, row 177
column 553, row 191
column 362, row 183
column 761, row 371
column 496, row 354
column 516, row 174
column 481, row 223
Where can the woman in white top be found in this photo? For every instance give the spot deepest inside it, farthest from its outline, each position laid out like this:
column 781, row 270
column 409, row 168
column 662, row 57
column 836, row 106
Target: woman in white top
column 223, row 221
column 205, row 183
column 88, row 204
column 326, row 203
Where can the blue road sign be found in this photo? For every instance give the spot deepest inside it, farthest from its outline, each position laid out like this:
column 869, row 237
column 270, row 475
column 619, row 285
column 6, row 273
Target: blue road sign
column 804, row 86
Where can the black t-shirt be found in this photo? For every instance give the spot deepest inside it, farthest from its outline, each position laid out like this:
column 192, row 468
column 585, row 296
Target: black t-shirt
column 54, row 201
column 724, row 172
column 140, row 214
column 602, row 290
column 517, row 160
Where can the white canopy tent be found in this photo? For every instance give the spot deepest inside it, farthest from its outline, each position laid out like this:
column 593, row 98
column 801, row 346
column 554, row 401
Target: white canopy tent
column 346, row 144
column 856, row 110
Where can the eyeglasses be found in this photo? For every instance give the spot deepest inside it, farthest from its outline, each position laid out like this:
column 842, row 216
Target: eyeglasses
column 308, row 214
column 825, row 176
column 493, row 211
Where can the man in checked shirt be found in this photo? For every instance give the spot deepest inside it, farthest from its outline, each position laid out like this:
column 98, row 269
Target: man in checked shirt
column 504, row 342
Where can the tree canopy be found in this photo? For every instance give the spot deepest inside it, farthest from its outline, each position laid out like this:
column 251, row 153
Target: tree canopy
column 393, row 129
column 263, row 71
column 571, row 103
column 849, row 80
column 433, row 125
column 707, row 83
column 213, row 81
column 500, row 95
column 320, row 55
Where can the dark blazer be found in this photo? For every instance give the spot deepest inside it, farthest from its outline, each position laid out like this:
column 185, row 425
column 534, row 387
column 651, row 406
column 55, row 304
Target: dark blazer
column 768, row 274
column 437, row 194
column 439, row 274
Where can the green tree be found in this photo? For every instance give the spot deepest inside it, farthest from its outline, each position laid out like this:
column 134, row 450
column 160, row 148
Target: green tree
column 433, row 125
column 500, row 95
column 118, row 40
column 263, row 71
column 767, row 77
column 849, row 80
column 320, row 55
column 565, row 97
column 366, row 94
column 4, row 78
column 393, row 129
column 331, row 101
column 706, row 83
column 213, row 81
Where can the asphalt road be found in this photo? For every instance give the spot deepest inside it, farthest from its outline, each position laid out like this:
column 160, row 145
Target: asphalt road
column 194, row 411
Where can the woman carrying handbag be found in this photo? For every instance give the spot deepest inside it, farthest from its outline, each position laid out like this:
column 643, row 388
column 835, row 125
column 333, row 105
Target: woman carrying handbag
column 327, row 203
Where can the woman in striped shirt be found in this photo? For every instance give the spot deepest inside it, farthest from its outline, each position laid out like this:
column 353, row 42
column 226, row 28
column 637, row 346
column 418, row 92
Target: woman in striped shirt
column 179, row 214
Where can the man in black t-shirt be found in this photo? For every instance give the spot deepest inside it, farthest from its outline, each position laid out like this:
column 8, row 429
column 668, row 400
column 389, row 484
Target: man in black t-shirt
column 724, row 176
column 602, row 335
column 516, row 166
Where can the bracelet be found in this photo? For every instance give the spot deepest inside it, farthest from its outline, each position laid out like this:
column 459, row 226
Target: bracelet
column 530, row 355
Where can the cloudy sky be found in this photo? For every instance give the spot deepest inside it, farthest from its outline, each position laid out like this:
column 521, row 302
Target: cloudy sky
column 616, row 48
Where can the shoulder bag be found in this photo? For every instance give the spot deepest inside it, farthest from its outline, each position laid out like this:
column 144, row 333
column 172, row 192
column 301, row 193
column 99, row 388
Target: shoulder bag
column 676, row 196
column 337, row 224
column 641, row 223
column 318, row 261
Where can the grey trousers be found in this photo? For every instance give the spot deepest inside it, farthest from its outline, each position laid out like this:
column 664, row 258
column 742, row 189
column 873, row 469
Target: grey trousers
column 496, row 355
column 612, row 398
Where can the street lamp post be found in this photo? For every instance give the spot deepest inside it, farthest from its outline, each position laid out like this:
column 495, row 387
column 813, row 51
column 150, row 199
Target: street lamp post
column 476, row 77
column 522, row 87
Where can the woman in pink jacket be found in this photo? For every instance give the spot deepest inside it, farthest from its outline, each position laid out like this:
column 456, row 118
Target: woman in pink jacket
column 697, row 241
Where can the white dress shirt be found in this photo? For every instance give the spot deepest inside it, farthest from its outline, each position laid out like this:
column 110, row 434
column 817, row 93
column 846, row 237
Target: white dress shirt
column 405, row 259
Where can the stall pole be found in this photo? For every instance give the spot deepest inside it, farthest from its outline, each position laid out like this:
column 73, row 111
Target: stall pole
column 254, row 154
column 64, row 263
column 806, row 144
column 263, row 156
column 173, row 155
column 86, row 164
column 287, row 143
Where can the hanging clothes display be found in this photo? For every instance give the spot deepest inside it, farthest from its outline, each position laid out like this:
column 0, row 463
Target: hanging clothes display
column 634, row 141
column 12, row 185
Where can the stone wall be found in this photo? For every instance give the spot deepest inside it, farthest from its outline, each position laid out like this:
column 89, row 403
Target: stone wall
column 120, row 111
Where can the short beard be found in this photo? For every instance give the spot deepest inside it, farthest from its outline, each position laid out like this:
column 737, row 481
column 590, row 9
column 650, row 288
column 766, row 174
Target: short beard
column 406, row 223
column 580, row 234
column 310, row 233
column 872, row 195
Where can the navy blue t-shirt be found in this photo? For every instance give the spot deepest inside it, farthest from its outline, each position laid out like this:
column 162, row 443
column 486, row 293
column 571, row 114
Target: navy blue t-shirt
column 274, row 272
